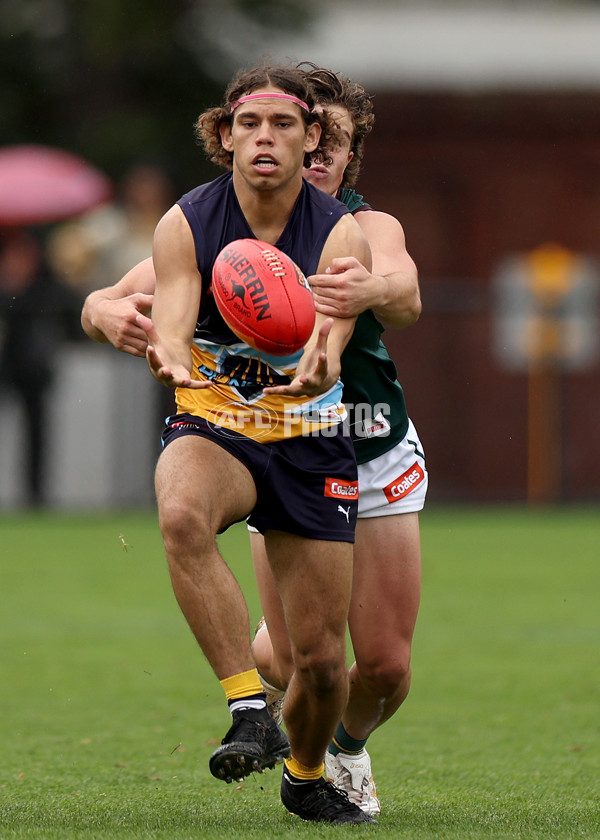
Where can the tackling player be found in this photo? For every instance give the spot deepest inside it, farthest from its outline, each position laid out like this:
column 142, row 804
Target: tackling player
column 391, row 466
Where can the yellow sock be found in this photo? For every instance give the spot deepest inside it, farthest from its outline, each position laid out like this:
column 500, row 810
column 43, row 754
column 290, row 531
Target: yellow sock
column 301, row 771
column 242, row 685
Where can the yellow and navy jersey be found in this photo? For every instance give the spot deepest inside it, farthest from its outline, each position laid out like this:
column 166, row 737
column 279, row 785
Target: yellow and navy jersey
column 236, row 401
column 238, row 372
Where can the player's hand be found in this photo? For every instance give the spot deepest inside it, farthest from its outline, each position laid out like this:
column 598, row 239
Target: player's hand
column 345, row 290
column 117, row 320
column 313, row 375
column 168, row 372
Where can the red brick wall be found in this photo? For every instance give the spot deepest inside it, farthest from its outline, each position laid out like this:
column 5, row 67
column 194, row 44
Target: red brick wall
column 474, row 178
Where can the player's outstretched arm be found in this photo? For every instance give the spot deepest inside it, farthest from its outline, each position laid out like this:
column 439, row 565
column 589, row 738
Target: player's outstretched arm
column 109, row 315
column 176, row 303
column 172, row 377
column 390, row 289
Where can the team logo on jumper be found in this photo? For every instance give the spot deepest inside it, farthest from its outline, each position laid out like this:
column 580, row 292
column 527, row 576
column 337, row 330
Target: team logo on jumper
column 337, row 488
column 374, row 427
column 247, row 375
column 329, row 414
column 403, row 485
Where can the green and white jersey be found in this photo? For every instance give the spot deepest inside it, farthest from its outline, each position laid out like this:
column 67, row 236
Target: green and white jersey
column 372, row 394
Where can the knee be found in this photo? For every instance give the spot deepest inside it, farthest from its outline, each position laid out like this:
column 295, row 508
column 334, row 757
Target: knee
column 322, row 669
column 387, row 674
column 183, row 530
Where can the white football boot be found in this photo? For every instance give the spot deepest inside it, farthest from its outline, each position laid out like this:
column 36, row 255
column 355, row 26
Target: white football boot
column 352, row 773
column 275, row 698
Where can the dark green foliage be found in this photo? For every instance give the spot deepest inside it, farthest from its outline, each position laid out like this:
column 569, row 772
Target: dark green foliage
column 120, row 82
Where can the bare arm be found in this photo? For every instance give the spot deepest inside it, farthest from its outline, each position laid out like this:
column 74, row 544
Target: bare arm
column 176, row 303
column 390, row 288
column 109, row 315
column 320, row 365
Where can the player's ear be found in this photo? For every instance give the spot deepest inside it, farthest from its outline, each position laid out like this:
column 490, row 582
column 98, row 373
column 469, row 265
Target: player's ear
column 313, row 135
column 226, row 141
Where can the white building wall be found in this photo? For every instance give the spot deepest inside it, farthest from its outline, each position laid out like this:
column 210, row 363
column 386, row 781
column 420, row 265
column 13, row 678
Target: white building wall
column 458, row 45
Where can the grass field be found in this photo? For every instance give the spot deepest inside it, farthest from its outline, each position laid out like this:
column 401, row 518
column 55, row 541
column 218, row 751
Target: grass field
column 108, row 713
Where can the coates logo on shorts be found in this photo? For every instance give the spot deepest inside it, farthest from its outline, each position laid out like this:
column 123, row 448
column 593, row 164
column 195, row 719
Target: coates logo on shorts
column 403, row 485
column 230, row 419
column 338, row 488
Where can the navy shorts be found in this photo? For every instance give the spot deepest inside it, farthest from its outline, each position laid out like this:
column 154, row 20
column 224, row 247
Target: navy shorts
column 305, row 485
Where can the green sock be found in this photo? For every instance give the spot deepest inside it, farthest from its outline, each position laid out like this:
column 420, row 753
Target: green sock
column 342, row 742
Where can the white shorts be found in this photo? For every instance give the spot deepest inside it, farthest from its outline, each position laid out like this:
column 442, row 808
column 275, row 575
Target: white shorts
column 395, row 482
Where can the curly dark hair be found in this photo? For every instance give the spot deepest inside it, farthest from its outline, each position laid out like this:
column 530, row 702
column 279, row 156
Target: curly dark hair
column 290, row 80
column 336, row 89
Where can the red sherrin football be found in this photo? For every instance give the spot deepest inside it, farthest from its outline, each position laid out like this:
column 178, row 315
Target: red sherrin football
column 263, row 297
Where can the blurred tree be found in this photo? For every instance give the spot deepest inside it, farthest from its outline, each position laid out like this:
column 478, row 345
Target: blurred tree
column 122, row 81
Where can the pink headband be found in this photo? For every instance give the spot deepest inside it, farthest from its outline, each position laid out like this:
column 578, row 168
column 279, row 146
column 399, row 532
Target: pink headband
column 252, row 96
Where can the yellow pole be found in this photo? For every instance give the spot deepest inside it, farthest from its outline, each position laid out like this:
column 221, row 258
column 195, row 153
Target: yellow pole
column 544, row 457
column 550, row 272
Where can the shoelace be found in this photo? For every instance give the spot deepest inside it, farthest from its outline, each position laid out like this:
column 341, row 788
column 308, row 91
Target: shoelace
column 329, row 800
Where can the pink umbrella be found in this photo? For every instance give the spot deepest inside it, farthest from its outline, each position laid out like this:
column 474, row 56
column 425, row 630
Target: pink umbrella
column 39, row 184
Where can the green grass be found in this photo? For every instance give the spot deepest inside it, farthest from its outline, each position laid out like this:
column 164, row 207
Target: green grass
column 108, row 713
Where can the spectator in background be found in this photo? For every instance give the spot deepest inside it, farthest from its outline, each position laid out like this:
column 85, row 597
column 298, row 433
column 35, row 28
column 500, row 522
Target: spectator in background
column 90, row 252
column 37, row 313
